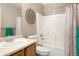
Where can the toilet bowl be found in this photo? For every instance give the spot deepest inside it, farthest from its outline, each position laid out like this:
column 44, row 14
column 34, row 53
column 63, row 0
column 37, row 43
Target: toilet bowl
column 42, row 51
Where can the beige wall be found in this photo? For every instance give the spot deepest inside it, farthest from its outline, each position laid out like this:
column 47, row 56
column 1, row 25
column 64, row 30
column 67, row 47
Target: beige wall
column 50, row 9
column 8, row 16
column 26, row 28
column 42, row 9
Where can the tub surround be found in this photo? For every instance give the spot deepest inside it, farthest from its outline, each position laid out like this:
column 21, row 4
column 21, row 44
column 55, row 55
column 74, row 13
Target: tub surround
column 11, row 51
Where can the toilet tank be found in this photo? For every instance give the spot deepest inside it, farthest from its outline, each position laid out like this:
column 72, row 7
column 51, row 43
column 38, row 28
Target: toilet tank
column 36, row 37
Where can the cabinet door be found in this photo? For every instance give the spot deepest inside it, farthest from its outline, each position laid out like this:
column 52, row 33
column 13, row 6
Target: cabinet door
column 19, row 53
column 31, row 50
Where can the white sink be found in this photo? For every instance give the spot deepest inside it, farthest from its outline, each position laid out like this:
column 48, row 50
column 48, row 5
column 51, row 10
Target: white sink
column 14, row 44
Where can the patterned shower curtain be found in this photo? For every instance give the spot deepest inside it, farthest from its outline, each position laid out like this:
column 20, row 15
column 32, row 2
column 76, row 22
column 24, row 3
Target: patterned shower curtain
column 70, row 43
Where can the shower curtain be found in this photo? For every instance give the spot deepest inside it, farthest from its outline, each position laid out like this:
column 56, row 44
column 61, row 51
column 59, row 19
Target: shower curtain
column 70, row 43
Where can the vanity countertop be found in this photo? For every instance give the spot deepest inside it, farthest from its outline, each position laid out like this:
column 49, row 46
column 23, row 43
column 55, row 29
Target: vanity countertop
column 9, row 51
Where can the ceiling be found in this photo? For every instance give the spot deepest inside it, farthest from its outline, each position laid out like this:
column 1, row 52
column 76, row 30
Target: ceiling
column 54, row 5
column 44, row 4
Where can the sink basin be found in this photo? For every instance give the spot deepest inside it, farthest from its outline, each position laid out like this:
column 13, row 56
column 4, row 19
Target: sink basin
column 14, row 44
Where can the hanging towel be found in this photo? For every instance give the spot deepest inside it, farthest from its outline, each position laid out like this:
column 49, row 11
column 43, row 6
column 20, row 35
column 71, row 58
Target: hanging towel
column 77, row 41
column 9, row 31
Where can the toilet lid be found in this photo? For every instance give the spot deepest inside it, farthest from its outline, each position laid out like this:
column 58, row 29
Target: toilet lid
column 42, row 49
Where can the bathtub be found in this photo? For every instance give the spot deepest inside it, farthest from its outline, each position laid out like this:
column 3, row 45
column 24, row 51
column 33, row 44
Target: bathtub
column 55, row 51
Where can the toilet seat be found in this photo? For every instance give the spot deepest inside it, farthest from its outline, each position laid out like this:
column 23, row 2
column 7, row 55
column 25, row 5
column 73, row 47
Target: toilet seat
column 42, row 49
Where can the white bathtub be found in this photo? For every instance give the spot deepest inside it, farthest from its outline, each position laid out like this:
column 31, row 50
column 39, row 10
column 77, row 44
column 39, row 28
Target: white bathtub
column 55, row 51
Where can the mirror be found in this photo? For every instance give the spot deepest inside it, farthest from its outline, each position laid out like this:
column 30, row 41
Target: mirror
column 10, row 23
column 8, row 18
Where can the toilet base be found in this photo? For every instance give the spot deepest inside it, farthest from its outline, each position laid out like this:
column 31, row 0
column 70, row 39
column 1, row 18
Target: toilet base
column 42, row 54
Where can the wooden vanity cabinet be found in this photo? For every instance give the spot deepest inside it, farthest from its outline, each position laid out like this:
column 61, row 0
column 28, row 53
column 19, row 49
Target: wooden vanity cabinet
column 28, row 51
column 19, row 53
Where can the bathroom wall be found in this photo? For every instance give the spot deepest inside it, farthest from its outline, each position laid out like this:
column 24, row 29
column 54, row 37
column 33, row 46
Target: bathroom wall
column 53, row 8
column 43, row 9
column 28, row 29
column 8, row 16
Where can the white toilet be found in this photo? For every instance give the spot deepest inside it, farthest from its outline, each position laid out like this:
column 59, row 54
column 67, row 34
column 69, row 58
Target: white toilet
column 40, row 50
